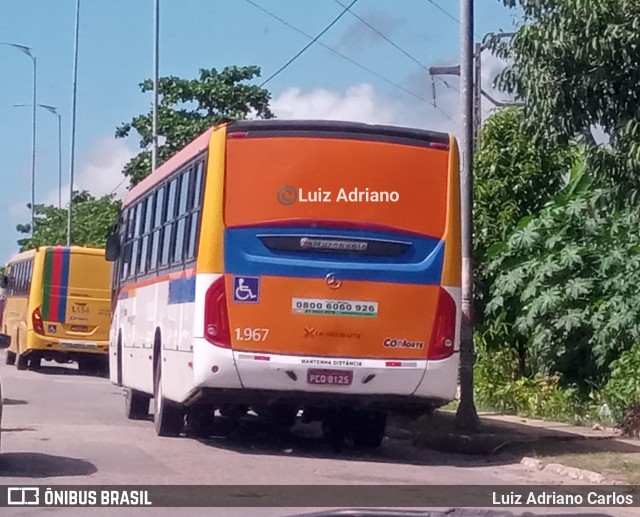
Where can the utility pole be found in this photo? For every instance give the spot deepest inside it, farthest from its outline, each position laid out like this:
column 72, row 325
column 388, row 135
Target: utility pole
column 73, row 120
column 478, row 92
column 466, row 416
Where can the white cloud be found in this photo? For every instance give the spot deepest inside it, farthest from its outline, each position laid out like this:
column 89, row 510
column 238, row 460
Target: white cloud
column 361, row 103
column 99, row 171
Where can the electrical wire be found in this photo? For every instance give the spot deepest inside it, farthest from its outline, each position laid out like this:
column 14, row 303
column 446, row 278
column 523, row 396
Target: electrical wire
column 308, row 45
column 346, row 58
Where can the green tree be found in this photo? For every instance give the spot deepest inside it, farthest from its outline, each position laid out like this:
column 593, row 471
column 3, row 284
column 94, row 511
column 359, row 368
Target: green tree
column 188, row 107
column 562, row 279
column 577, row 65
column 92, row 220
column 513, row 178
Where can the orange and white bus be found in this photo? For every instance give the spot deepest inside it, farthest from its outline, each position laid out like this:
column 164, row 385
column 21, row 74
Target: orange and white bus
column 279, row 266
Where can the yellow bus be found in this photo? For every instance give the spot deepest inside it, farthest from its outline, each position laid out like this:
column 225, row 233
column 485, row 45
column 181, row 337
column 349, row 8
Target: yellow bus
column 58, row 304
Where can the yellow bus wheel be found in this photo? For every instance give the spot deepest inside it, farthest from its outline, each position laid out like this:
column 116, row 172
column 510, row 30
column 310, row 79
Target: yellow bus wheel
column 22, row 362
column 10, row 359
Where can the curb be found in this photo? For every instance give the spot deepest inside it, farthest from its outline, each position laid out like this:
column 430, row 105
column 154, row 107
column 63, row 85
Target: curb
column 562, row 470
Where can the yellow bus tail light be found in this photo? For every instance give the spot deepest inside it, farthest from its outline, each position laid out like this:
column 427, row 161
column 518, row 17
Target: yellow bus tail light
column 36, row 319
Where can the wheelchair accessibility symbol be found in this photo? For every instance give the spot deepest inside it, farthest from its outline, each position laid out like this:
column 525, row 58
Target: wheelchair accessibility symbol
column 246, row 289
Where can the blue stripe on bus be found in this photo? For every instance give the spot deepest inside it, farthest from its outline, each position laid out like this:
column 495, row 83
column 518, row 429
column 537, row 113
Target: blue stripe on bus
column 64, row 285
column 245, row 254
column 182, row 290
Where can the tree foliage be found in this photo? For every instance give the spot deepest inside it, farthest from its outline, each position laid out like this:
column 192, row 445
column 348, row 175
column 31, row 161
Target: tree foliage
column 513, row 178
column 562, row 289
column 576, row 63
column 188, row 107
column 92, row 218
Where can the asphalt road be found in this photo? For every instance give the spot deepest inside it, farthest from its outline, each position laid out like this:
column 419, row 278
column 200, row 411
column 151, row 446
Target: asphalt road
column 61, row 427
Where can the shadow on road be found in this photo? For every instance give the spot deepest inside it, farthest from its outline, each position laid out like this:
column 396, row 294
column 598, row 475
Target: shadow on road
column 251, row 436
column 37, row 465
column 66, row 370
column 14, row 402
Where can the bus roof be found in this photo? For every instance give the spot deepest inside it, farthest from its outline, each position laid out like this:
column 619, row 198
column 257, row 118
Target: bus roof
column 340, row 129
column 74, row 249
column 21, row 256
column 191, row 150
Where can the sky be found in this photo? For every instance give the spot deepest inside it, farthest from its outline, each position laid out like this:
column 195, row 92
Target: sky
column 386, row 84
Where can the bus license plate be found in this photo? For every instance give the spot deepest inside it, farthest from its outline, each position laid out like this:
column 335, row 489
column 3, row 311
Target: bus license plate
column 330, row 377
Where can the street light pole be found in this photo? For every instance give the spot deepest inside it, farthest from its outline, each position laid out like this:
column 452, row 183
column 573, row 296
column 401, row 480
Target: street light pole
column 73, row 121
column 156, row 38
column 29, row 52
column 54, row 110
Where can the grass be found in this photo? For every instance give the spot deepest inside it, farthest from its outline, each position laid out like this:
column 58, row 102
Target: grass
column 618, row 466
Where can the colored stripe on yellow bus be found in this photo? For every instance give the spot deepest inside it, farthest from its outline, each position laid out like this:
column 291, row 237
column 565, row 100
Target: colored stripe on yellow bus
column 56, row 281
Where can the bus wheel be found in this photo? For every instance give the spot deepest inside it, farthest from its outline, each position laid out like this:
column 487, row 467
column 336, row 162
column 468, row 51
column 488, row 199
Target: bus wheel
column 368, row 429
column 334, row 430
column 22, row 362
column 200, row 421
column 168, row 417
column 136, row 405
column 10, row 359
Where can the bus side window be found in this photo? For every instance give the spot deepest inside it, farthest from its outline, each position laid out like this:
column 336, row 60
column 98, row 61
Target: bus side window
column 183, row 203
column 146, row 231
column 194, row 206
column 135, row 248
column 20, row 278
column 29, row 275
column 168, row 236
column 126, row 266
column 157, row 229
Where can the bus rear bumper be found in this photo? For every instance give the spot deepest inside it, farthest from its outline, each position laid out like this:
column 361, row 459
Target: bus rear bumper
column 397, row 404
column 64, row 351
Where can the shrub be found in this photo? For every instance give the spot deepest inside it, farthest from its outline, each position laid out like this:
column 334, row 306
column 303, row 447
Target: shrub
column 622, row 391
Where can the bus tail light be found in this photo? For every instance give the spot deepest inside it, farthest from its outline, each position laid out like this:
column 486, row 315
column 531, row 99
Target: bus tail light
column 444, row 328
column 216, row 317
column 36, row 320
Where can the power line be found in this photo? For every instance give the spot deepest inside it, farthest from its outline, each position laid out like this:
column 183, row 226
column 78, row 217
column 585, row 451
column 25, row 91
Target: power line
column 336, row 52
column 303, row 50
column 386, row 38
column 448, row 14
column 443, row 10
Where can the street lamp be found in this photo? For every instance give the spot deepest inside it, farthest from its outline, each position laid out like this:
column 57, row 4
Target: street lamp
column 29, row 52
column 54, row 110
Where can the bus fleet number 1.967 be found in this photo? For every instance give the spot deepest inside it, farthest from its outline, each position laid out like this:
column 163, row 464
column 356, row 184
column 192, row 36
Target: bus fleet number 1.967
column 249, row 334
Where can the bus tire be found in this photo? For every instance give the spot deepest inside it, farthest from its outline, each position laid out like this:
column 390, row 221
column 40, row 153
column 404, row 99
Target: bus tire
column 168, row 417
column 368, row 429
column 22, row 362
column 136, row 404
column 200, row 421
column 10, row 359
